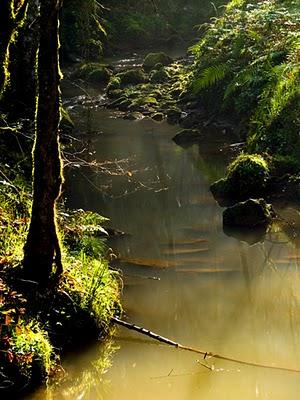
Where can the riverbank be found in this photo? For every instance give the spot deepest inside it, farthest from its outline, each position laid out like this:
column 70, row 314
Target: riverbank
column 40, row 325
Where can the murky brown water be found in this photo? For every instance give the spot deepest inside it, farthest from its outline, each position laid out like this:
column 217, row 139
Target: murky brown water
column 211, row 291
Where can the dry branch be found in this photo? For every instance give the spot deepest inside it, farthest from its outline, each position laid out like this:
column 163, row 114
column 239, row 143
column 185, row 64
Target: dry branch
column 206, row 354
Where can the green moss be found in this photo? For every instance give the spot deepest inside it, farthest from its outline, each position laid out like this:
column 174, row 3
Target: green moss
column 247, row 175
column 132, row 77
column 152, row 59
column 159, row 76
column 249, row 164
column 32, row 350
column 93, row 72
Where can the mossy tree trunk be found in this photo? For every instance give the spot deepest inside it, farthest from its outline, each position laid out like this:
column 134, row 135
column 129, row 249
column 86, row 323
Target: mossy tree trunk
column 42, row 248
column 12, row 13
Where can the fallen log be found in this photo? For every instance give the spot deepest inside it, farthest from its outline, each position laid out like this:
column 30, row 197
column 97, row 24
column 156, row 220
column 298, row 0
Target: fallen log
column 206, row 354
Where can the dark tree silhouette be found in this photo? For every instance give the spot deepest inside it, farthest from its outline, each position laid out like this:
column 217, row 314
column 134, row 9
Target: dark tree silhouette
column 42, row 248
column 12, row 13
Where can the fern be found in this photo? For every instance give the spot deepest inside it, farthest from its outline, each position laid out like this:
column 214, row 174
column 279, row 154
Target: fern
column 210, row 76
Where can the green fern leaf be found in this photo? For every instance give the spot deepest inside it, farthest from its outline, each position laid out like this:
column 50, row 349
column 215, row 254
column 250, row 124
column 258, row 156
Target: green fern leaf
column 210, row 76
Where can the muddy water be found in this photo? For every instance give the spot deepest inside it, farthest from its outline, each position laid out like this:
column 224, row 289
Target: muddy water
column 183, row 277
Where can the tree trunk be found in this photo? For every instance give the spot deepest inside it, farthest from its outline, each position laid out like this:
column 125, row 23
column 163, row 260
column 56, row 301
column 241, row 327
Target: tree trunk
column 42, row 248
column 12, row 13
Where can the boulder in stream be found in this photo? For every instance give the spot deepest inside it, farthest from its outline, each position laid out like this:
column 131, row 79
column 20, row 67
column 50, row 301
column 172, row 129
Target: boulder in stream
column 152, row 59
column 247, row 176
column 248, row 214
column 93, row 72
column 159, row 76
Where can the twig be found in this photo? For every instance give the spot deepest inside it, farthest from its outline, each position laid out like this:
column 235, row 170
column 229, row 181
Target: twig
column 205, row 354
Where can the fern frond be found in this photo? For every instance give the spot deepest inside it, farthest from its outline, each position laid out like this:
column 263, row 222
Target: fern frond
column 210, row 76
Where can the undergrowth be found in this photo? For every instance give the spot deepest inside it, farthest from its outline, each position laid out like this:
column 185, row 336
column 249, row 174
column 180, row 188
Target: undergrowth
column 248, row 64
column 36, row 326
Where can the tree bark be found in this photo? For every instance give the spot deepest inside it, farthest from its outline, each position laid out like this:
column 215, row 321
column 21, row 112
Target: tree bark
column 12, row 14
column 42, row 248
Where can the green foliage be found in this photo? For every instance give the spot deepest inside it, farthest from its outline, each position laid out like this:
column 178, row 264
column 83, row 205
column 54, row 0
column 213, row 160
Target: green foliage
column 86, row 297
column 94, row 288
column 254, row 50
column 282, row 165
column 209, row 77
column 14, row 216
column 82, row 31
column 145, row 23
column 25, row 349
column 31, row 347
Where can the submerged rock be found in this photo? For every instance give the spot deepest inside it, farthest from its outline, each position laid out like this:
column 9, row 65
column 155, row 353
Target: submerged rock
column 152, row 59
column 248, row 214
column 187, row 137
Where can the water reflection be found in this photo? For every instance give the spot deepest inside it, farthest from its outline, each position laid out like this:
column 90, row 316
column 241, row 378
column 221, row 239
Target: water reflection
column 211, row 291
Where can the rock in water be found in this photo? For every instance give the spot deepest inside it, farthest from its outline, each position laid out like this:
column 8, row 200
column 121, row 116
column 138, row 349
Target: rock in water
column 248, row 214
column 152, row 59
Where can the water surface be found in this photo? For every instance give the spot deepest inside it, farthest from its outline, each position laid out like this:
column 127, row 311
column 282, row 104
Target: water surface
column 183, row 277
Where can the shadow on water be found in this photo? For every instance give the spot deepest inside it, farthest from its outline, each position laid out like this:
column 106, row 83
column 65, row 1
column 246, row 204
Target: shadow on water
column 183, row 277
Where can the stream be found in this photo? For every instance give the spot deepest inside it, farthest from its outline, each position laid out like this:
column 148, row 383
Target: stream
column 183, row 277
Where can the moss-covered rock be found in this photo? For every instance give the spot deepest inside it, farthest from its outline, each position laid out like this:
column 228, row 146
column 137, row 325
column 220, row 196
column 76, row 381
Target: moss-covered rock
column 159, row 76
column 152, row 59
column 93, row 72
column 247, row 175
column 248, row 214
column 132, row 77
